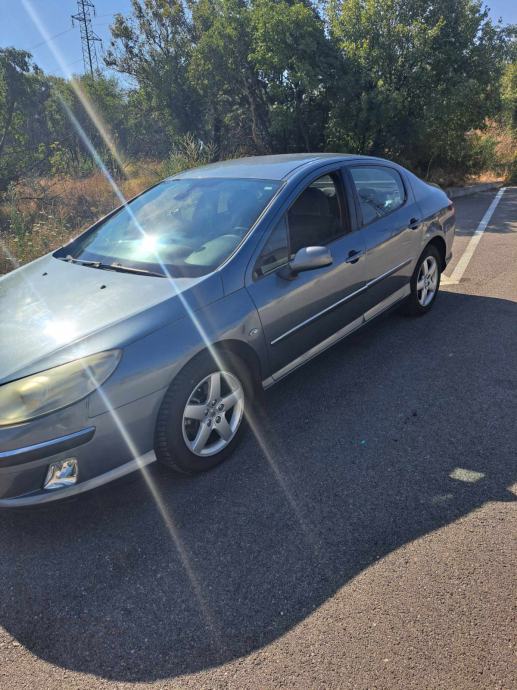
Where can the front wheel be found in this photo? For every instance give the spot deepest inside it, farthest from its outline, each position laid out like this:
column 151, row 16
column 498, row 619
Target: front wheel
column 201, row 418
column 425, row 283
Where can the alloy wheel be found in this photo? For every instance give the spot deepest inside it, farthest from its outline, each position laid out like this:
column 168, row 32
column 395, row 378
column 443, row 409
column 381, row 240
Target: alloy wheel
column 427, row 281
column 213, row 413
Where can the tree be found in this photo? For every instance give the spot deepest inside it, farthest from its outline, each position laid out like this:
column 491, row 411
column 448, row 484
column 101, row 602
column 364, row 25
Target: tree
column 154, row 46
column 420, row 75
column 22, row 96
column 299, row 66
column 509, row 96
column 232, row 92
column 405, row 80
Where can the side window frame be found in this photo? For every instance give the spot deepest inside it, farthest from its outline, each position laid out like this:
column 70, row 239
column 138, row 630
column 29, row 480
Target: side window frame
column 351, row 183
column 346, row 217
column 257, row 274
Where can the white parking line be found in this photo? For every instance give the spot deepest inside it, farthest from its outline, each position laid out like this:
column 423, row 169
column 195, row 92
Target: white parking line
column 462, row 264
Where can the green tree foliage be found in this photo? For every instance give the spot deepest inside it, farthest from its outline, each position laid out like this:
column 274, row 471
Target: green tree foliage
column 154, row 47
column 231, row 89
column 423, row 74
column 387, row 77
column 23, row 91
column 299, row 67
column 509, row 96
column 406, row 80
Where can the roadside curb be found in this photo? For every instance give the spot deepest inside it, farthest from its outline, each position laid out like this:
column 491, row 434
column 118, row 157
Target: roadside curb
column 455, row 192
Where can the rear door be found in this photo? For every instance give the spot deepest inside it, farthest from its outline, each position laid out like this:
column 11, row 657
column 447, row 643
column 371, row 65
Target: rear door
column 390, row 222
column 301, row 312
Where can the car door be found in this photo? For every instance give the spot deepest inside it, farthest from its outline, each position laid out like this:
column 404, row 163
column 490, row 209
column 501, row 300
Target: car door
column 300, row 312
column 389, row 217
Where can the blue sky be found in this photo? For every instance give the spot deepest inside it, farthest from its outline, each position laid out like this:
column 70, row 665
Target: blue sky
column 17, row 29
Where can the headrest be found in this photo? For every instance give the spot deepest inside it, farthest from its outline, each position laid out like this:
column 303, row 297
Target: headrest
column 312, row 202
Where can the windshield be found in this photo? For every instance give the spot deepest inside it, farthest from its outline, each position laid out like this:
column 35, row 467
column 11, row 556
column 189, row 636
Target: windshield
column 187, row 226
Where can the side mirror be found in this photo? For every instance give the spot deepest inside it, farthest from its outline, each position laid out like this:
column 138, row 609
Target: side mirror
column 309, row 258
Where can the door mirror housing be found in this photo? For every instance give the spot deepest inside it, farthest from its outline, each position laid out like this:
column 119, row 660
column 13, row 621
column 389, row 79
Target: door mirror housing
column 309, row 258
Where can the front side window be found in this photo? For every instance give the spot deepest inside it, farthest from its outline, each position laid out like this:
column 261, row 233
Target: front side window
column 380, row 191
column 186, row 226
column 315, row 217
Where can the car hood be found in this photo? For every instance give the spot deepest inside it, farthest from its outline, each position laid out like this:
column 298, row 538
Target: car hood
column 51, row 308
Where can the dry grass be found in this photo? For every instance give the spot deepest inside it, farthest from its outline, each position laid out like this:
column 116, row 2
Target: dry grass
column 39, row 215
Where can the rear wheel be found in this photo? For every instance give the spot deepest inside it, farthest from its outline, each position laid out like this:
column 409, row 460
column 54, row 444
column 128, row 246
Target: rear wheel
column 202, row 415
column 425, row 283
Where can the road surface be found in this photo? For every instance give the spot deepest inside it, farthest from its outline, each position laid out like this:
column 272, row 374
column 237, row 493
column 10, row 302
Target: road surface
column 365, row 539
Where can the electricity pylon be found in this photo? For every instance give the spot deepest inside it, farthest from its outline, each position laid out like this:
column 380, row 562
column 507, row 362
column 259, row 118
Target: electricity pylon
column 88, row 36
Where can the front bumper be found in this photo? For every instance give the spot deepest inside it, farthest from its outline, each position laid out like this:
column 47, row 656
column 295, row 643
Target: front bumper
column 107, row 446
column 42, row 496
column 19, row 456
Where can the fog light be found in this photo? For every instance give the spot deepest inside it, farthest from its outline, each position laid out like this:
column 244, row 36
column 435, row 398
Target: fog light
column 61, row 474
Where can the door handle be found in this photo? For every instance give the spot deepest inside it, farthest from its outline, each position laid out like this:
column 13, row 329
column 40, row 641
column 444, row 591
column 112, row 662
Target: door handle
column 414, row 223
column 353, row 256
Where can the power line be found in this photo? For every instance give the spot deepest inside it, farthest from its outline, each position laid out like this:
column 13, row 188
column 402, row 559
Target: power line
column 89, row 38
column 38, row 45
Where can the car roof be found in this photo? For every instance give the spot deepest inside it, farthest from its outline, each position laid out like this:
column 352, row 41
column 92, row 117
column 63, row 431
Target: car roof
column 276, row 167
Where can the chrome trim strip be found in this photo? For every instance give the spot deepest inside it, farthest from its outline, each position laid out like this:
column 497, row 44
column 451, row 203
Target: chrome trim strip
column 386, row 303
column 317, row 349
column 388, row 273
column 316, row 316
column 111, row 475
column 367, row 285
column 339, row 335
column 46, row 448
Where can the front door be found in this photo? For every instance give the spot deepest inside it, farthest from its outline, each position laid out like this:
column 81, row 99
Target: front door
column 299, row 312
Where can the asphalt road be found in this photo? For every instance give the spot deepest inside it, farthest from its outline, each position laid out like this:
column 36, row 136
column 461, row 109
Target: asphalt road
column 367, row 540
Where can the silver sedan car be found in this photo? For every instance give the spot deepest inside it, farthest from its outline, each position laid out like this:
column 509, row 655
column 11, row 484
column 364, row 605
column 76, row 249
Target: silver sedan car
column 152, row 335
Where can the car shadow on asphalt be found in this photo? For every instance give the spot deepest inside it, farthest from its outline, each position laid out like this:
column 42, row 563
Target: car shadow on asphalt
column 399, row 431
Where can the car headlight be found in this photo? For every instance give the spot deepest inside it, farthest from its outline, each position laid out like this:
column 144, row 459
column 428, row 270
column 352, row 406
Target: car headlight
column 54, row 388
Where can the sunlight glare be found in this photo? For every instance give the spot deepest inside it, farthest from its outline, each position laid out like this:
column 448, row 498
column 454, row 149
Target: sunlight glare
column 190, row 313
column 60, row 330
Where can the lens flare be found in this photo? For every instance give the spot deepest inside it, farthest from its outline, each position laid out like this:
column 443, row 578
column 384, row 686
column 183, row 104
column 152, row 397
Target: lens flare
column 149, row 243
column 166, row 517
column 261, row 437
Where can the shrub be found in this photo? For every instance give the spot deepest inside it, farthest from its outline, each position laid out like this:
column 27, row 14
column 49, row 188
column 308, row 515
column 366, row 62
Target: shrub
column 39, row 215
column 189, row 153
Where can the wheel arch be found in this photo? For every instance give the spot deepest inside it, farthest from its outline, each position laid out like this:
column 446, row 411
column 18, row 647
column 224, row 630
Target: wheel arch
column 438, row 242
column 243, row 351
column 219, row 350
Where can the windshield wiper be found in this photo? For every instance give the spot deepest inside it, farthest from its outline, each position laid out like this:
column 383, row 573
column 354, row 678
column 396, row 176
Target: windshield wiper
column 112, row 267
column 131, row 269
column 72, row 260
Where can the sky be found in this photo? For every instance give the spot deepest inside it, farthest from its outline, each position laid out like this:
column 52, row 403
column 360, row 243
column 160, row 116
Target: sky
column 19, row 30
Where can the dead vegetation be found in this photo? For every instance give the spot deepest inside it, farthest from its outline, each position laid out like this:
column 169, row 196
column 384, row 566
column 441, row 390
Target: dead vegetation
column 38, row 215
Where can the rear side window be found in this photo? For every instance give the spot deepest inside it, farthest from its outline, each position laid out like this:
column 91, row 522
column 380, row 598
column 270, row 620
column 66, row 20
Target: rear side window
column 380, row 191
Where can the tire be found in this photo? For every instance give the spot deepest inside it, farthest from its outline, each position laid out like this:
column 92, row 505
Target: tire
column 179, row 438
column 421, row 300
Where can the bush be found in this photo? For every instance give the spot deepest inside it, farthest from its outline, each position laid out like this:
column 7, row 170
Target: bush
column 39, row 215
column 189, row 153
column 512, row 172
